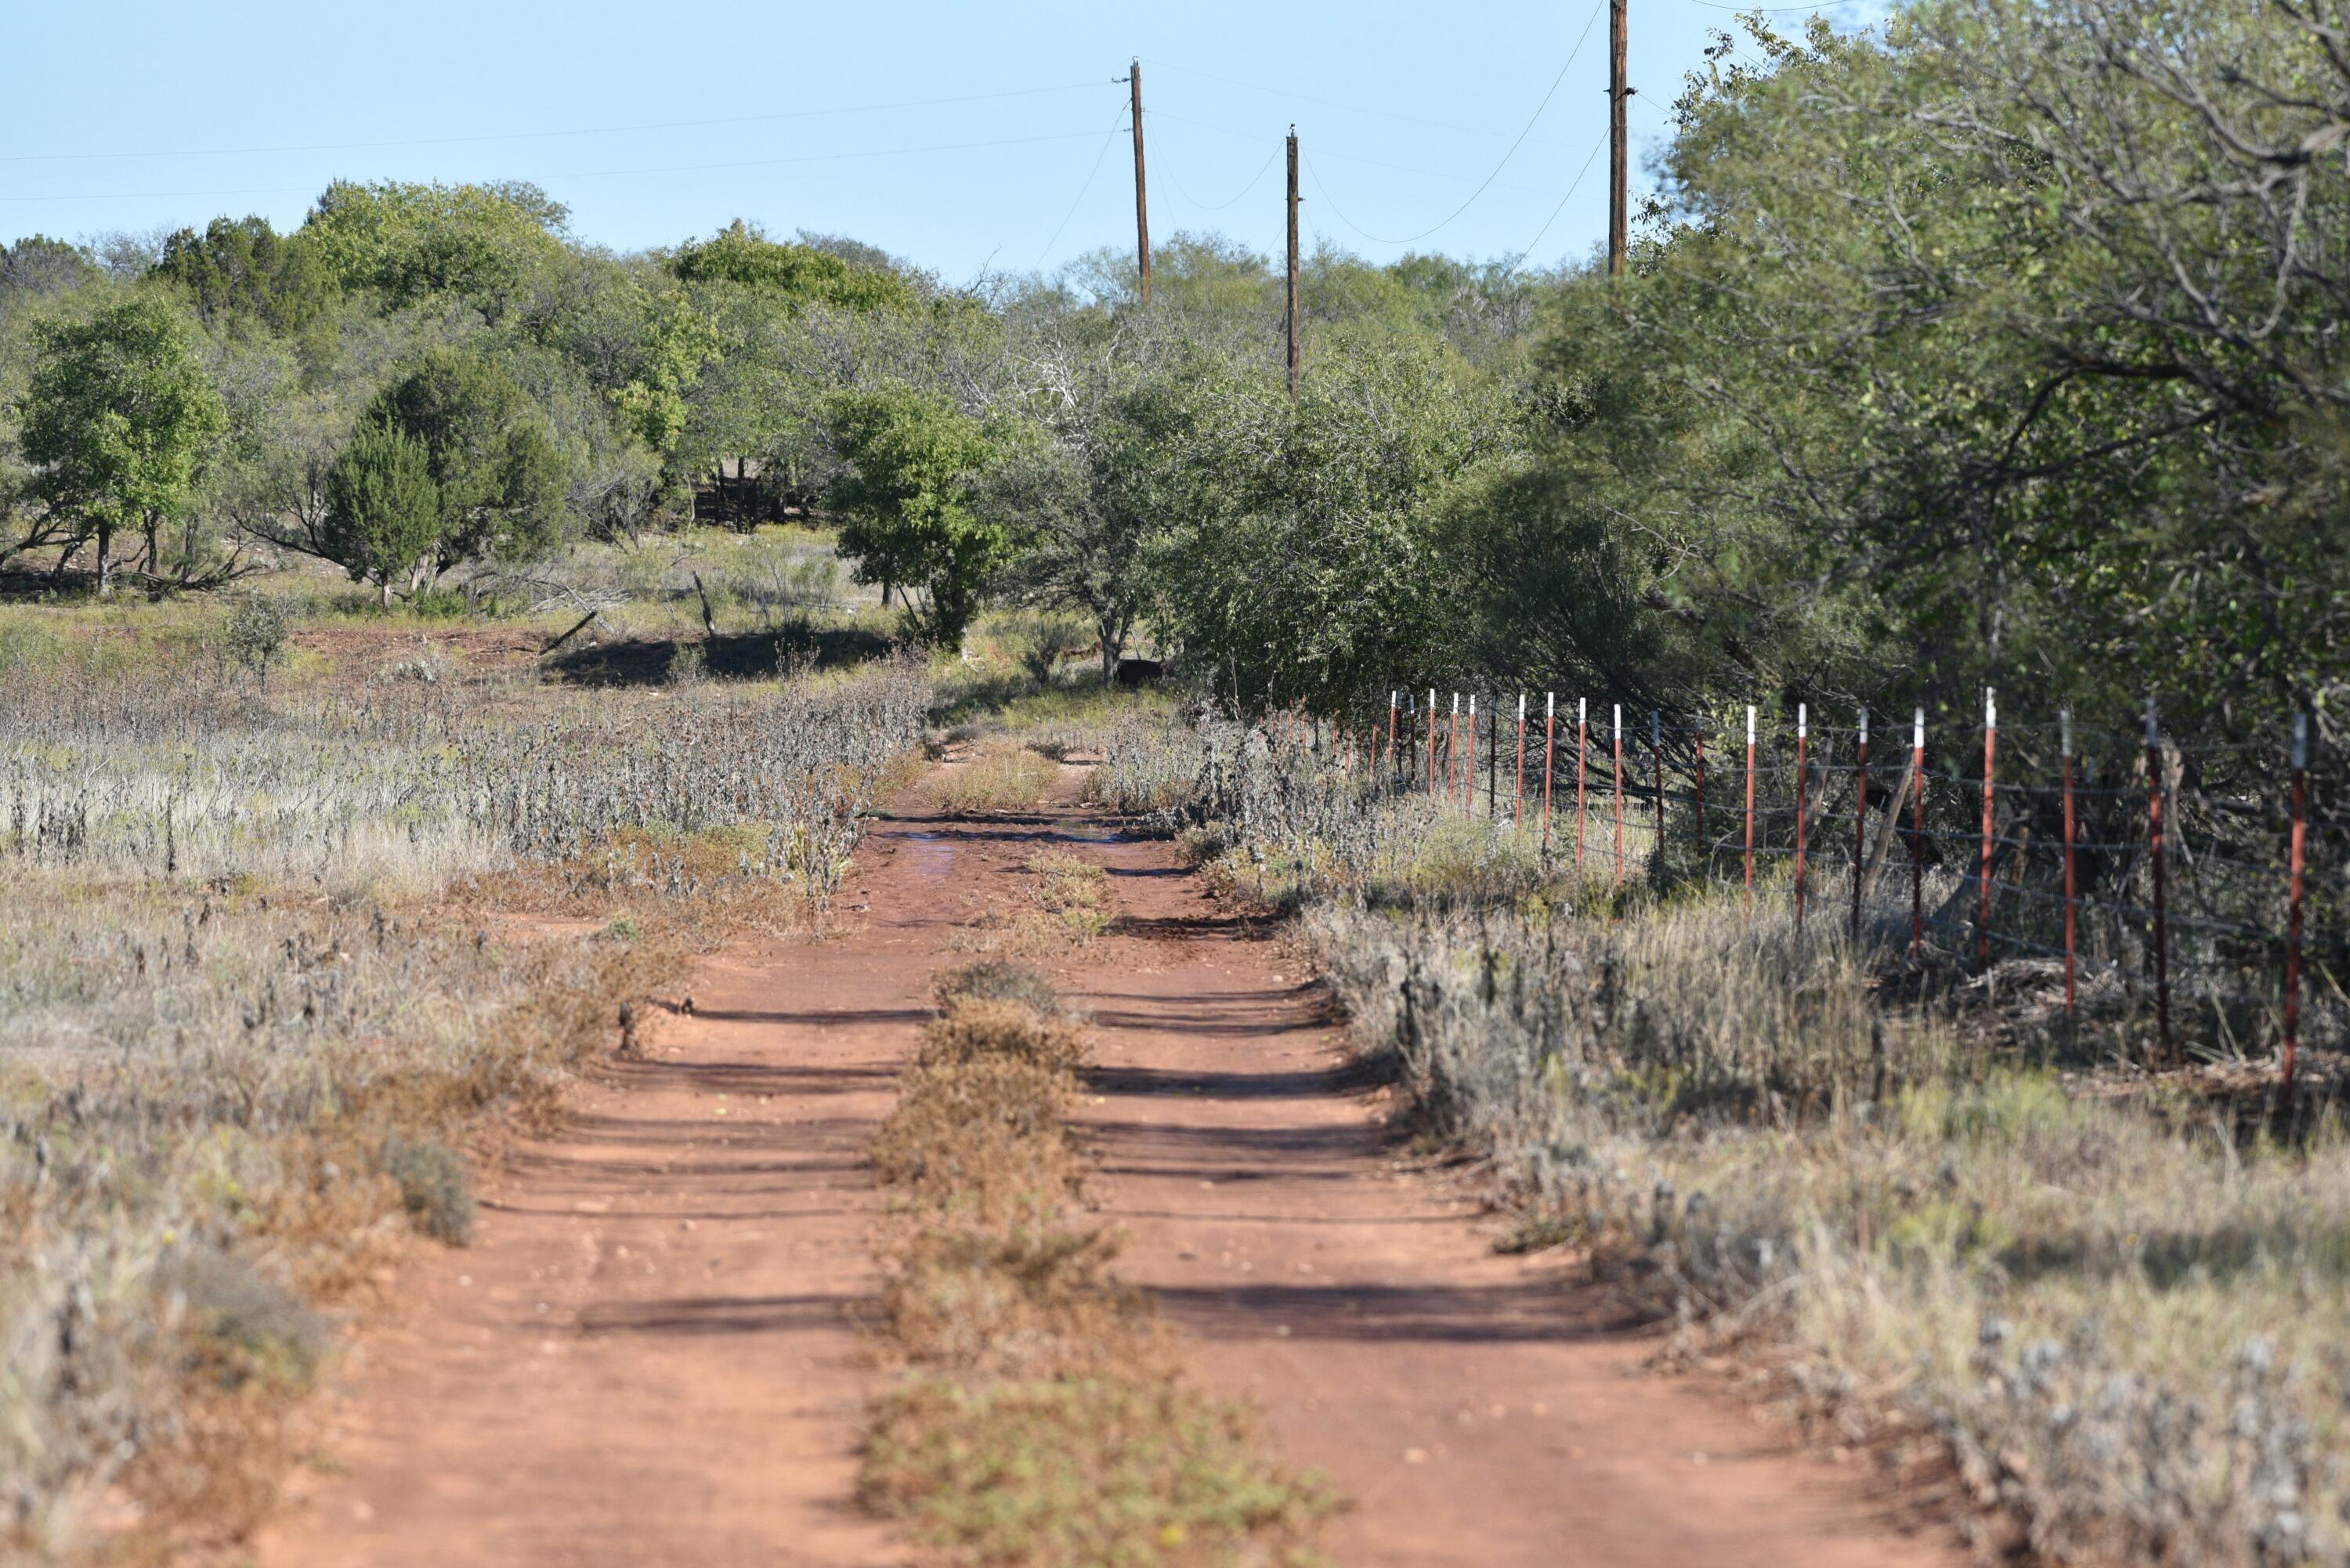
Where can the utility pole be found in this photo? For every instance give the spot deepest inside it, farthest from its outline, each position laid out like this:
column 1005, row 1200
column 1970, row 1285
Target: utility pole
column 1292, row 261
column 1141, row 191
column 1619, row 153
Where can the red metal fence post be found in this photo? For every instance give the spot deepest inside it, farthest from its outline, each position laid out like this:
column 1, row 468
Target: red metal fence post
column 1619, row 794
column 1860, row 820
column 1749, row 815
column 2154, row 855
column 1395, row 701
column 1917, row 836
column 1406, row 757
column 1803, row 774
column 1991, row 761
column 1550, row 745
column 1518, row 801
column 2293, row 858
column 2072, row 837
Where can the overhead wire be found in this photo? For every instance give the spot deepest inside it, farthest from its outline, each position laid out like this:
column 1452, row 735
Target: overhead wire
column 1773, row 10
column 1287, row 96
column 1108, row 137
column 1515, row 143
column 1220, row 206
column 1258, row 137
column 1488, row 181
column 1563, row 201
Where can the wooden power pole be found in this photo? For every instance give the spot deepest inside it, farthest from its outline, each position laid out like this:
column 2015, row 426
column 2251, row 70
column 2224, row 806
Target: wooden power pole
column 1619, row 153
column 1292, row 262
column 1141, row 191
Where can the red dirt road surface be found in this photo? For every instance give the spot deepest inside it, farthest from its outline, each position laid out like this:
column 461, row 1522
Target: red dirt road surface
column 649, row 1356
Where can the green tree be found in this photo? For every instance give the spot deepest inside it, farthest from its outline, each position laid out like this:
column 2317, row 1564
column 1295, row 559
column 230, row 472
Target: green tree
column 383, row 513
column 490, row 454
column 37, row 264
column 2001, row 347
column 908, row 498
column 1302, row 552
column 249, row 266
column 678, row 340
column 118, row 419
column 485, row 244
column 799, row 273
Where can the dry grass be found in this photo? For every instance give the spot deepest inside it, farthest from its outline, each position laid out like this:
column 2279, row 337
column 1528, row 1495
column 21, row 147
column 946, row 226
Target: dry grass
column 973, row 1028
column 1068, row 905
column 2123, row 1326
column 1001, row 979
column 981, row 1136
column 1018, row 1301
column 1070, row 893
column 997, row 778
column 1075, row 1473
column 1042, row 1419
column 262, row 981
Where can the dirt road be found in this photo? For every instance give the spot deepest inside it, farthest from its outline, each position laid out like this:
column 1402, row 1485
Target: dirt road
column 649, row 1355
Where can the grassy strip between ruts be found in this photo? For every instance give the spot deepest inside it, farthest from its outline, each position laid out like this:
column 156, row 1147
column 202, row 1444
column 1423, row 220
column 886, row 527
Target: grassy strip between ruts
column 1039, row 1416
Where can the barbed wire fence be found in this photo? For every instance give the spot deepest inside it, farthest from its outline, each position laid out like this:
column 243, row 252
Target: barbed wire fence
column 2205, row 876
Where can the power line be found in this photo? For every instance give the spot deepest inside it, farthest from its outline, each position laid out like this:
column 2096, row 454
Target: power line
column 1220, row 206
column 1287, row 96
column 590, row 173
column 1514, row 145
column 1563, row 201
column 539, row 135
column 1108, row 137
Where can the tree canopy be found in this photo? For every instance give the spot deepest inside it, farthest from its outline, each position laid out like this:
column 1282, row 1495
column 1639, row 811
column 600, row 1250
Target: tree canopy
column 116, row 422
column 246, row 265
column 383, row 508
column 482, row 244
column 795, row 274
column 488, row 450
column 909, row 500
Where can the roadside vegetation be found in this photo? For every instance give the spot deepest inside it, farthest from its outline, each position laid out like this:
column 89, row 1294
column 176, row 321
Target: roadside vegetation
column 1038, row 1413
column 2097, row 1313
column 290, row 934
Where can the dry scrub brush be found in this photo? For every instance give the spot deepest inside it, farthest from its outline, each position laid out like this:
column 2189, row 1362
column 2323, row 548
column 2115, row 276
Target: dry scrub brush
column 996, row 778
column 257, row 986
column 2127, row 1329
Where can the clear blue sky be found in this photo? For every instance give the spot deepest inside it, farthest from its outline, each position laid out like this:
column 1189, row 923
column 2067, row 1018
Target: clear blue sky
column 654, row 122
